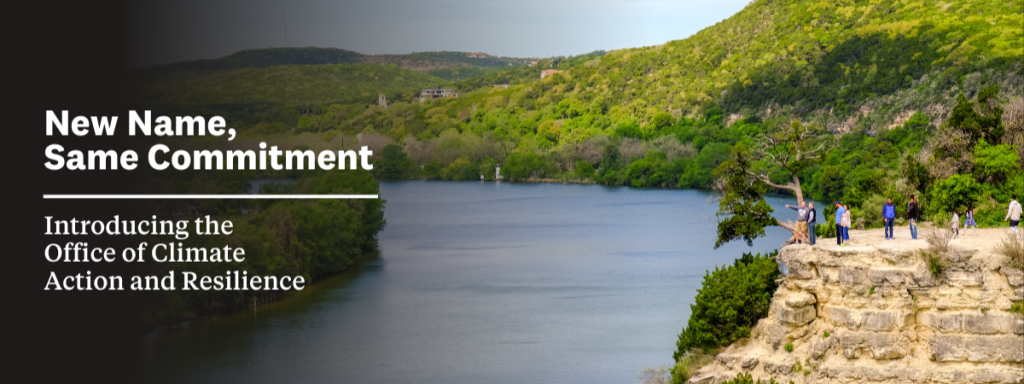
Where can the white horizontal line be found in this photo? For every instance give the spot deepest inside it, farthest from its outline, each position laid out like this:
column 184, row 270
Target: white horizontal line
column 190, row 197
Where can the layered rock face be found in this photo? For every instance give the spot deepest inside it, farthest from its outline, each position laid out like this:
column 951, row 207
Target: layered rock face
column 875, row 313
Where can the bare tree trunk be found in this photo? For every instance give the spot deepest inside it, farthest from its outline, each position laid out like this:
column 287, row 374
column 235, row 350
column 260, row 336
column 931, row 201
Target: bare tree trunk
column 790, row 226
column 796, row 188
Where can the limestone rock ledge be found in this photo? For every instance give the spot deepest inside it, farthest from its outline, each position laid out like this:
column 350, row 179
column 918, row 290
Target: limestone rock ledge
column 887, row 319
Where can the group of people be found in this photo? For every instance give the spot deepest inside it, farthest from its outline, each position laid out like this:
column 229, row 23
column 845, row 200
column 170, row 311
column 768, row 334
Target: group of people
column 968, row 222
column 1012, row 215
column 806, row 219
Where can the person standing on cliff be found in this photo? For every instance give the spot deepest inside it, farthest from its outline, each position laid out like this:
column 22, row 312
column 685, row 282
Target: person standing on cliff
column 801, row 221
column 955, row 225
column 839, row 223
column 969, row 220
column 1013, row 214
column 912, row 213
column 847, row 223
column 812, row 217
column 888, row 215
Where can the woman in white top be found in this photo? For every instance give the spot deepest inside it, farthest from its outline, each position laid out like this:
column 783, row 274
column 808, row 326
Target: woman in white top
column 846, row 222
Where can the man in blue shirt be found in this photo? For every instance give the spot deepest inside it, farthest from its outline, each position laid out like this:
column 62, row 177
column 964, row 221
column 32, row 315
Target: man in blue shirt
column 839, row 219
column 889, row 215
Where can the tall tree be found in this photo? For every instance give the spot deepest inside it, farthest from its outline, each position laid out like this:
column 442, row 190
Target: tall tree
column 793, row 148
column 745, row 178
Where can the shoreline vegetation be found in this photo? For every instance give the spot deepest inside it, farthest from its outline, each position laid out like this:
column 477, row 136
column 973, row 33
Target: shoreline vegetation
column 308, row 238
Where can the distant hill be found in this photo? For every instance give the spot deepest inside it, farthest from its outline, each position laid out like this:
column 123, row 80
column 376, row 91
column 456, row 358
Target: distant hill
column 280, row 84
column 459, row 65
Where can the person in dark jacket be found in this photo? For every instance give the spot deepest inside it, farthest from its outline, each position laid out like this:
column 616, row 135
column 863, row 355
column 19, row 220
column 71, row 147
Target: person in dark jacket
column 839, row 220
column 888, row 215
column 912, row 213
column 812, row 216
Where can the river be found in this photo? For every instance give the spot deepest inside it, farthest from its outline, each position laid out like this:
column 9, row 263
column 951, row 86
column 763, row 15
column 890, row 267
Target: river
column 480, row 283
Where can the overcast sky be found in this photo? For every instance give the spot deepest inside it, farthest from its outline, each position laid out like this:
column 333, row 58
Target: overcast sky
column 162, row 31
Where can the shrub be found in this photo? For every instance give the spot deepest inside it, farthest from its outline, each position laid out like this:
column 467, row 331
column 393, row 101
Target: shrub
column 788, row 347
column 936, row 263
column 658, row 375
column 730, row 301
column 826, row 335
column 872, row 211
column 940, row 219
column 938, row 238
column 745, row 378
column 1011, row 247
column 689, row 363
column 1017, row 308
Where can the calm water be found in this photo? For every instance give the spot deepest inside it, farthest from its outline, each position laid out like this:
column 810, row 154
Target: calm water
column 480, row 283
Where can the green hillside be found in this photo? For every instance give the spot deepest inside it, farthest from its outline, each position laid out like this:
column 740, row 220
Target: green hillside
column 847, row 64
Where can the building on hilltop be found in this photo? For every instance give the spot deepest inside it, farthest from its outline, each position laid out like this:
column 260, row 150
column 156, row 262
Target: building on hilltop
column 476, row 55
column 435, row 93
column 547, row 72
column 382, row 100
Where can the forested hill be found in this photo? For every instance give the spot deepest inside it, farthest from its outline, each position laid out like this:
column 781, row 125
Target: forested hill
column 423, row 62
column 817, row 57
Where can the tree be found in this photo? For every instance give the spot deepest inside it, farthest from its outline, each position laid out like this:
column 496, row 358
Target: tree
column 995, row 163
column 729, row 303
column 742, row 200
column 1013, row 122
column 791, row 149
column 981, row 120
column 661, row 120
column 393, row 165
column 955, row 192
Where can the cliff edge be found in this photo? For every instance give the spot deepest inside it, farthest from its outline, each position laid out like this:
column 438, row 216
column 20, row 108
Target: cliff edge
column 873, row 312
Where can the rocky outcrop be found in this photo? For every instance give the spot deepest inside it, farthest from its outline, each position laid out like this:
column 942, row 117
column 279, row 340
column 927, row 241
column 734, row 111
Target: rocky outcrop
column 875, row 313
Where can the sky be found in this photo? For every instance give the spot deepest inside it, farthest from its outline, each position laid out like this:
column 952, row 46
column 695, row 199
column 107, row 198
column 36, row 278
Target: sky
column 162, row 31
